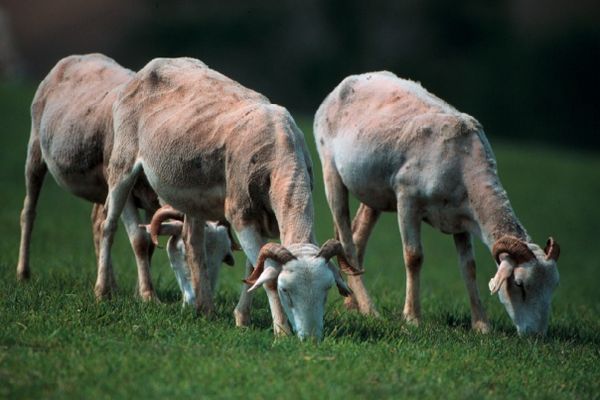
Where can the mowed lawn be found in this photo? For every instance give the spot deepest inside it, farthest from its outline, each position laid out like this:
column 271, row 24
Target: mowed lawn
column 56, row 341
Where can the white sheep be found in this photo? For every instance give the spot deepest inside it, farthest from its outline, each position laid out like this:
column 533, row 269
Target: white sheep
column 218, row 243
column 397, row 147
column 218, row 151
column 71, row 136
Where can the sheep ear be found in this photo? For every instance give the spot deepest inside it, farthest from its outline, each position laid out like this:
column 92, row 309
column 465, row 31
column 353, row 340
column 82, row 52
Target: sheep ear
column 269, row 274
column 505, row 269
column 552, row 249
column 228, row 259
column 342, row 286
column 145, row 227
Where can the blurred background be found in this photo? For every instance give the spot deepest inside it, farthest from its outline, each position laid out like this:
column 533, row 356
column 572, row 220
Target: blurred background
column 524, row 68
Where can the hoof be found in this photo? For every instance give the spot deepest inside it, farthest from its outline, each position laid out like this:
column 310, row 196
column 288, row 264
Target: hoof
column 350, row 303
column 242, row 320
column 102, row 293
column 206, row 309
column 281, row 331
column 412, row 320
column 149, row 296
column 23, row 275
column 369, row 310
column 481, row 327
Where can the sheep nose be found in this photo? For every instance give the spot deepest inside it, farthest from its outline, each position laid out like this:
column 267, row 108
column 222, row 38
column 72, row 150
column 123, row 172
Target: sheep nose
column 528, row 330
column 312, row 337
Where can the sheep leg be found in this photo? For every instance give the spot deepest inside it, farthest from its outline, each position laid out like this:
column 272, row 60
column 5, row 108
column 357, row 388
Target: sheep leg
column 35, row 171
column 97, row 217
column 193, row 234
column 362, row 226
column 281, row 326
column 120, row 185
column 241, row 313
column 464, row 247
column 410, row 230
column 251, row 242
column 337, row 197
column 141, row 245
column 147, row 218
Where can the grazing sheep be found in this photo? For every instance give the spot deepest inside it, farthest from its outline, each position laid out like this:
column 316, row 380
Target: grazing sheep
column 218, row 243
column 397, row 147
column 218, row 151
column 71, row 136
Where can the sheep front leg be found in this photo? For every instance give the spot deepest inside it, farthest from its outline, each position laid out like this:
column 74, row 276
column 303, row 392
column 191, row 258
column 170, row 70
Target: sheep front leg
column 464, row 247
column 409, row 222
column 193, row 234
column 141, row 245
column 251, row 242
column 241, row 313
column 337, row 197
column 35, row 171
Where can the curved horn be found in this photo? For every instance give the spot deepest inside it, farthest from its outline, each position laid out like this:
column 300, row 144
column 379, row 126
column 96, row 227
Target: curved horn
column 505, row 269
column 517, row 249
column 274, row 251
column 332, row 248
column 552, row 249
column 162, row 214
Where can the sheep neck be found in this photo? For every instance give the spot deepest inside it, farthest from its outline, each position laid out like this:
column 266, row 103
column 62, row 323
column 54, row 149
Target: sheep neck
column 489, row 201
column 291, row 199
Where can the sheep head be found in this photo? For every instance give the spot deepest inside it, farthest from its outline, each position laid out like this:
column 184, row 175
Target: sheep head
column 525, row 280
column 218, row 244
column 302, row 274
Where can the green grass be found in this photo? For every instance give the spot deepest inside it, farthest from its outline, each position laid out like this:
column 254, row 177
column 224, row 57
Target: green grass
column 57, row 342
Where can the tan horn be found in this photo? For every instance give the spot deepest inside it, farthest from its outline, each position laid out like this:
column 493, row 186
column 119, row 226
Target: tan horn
column 552, row 249
column 332, row 248
column 274, row 251
column 514, row 247
column 162, row 214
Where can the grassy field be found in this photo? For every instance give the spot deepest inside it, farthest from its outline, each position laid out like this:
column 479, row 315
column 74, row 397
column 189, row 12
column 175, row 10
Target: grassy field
column 57, row 342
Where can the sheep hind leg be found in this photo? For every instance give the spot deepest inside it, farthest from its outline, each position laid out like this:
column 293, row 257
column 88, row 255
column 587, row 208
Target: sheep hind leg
column 120, row 184
column 464, row 247
column 35, row 171
column 337, row 197
column 410, row 230
column 98, row 215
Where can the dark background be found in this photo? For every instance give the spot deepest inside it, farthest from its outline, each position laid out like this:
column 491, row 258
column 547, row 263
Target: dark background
column 525, row 68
